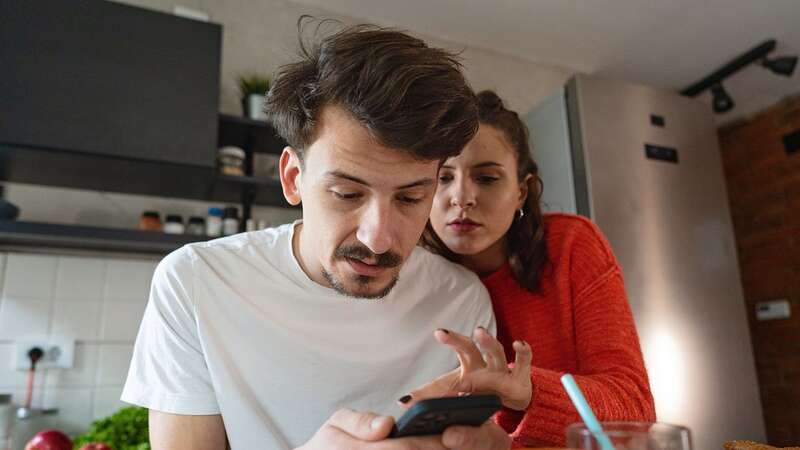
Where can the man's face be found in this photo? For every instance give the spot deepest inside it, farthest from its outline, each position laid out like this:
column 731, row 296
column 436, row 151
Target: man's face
column 364, row 206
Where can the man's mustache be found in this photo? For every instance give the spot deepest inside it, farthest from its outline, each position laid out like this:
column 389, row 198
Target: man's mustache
column 354, row 251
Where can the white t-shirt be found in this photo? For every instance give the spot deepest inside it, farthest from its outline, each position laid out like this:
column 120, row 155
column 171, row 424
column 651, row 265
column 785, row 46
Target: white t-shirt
column 235, row 327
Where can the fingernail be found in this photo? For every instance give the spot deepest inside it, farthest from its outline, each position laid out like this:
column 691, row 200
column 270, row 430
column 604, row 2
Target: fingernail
column 378, row 422
column 444, row 331
column 404, row 399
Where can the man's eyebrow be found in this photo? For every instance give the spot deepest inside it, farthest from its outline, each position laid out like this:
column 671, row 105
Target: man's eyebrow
column 345, row 176
column 418, row 183
column 478, row 166
column 342, row 175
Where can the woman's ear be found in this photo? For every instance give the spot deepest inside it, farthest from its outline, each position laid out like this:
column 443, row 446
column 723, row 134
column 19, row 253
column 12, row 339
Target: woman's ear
column 291, row 173
column 524, row 189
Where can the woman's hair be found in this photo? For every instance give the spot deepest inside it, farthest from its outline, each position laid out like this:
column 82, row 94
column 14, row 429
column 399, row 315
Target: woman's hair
column 409, row 96
column 527, row 252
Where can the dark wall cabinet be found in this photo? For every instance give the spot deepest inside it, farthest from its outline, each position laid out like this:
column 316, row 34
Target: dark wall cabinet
column 103, row 78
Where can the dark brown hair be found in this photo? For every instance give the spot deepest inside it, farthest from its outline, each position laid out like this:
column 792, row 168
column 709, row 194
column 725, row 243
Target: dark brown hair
column 409, row 96
column 527, row 253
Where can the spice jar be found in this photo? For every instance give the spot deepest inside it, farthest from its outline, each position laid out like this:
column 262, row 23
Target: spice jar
column 174, row 224
column 150, row 221
column 214, row 222
column 196, row 226
column 230, row 221
column 231, row 161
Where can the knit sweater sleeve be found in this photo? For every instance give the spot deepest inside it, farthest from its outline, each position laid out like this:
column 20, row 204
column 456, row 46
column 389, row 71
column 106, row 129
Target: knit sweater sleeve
column 611, row 371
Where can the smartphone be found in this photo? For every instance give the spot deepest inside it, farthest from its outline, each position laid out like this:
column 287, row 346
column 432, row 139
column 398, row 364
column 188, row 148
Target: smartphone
column 433, row 416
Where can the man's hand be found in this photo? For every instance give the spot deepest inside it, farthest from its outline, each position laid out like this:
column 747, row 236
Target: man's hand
column 352, row 430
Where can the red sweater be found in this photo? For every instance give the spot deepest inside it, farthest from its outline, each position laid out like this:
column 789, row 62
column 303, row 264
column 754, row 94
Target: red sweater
column 580, row 323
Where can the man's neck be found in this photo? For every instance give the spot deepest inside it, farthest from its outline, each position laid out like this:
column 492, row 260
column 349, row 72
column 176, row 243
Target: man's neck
column 305, row 258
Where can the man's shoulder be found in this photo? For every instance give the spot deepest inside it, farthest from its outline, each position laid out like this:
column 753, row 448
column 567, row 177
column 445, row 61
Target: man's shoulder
column 442, row 273
column 235, row 249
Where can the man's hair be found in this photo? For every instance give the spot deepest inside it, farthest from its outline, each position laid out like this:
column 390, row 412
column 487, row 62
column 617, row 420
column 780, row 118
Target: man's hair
column 409, row 96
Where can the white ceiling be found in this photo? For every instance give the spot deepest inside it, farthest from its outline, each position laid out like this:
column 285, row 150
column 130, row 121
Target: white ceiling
column 663, row 43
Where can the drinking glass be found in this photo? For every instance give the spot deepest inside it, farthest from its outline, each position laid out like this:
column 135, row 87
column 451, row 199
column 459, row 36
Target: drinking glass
column 631, row 436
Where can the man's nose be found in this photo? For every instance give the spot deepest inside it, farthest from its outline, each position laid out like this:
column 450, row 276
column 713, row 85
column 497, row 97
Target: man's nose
column 376, row 229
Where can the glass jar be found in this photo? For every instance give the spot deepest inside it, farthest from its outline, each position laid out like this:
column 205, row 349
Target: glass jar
column 230, row 221
column 231, row 161
column 150, row 221
column 174, row 224
column 196, row 226
column 214, row 222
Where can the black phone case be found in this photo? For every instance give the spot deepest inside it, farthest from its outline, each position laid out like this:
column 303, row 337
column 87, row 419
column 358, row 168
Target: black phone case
column 434, row 415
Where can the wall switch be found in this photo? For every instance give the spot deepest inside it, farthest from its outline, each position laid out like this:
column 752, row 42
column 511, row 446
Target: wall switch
column 772, row 310
column 59, row 353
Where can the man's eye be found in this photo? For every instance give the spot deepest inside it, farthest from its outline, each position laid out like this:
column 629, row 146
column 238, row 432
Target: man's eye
column 409, row 200
column 346, row 195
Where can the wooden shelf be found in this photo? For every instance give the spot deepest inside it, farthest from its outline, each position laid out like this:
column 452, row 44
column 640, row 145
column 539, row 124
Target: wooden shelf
column 82, row 237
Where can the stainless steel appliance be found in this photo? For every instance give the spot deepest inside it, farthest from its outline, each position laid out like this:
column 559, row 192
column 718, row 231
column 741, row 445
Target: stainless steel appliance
column 645, row 165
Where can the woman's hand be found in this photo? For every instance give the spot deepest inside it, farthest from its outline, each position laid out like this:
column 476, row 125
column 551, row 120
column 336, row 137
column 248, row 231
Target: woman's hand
column 483, row 370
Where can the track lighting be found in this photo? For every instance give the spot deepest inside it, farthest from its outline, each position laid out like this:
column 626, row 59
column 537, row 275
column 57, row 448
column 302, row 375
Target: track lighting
column 781, row 66
column 721, row 101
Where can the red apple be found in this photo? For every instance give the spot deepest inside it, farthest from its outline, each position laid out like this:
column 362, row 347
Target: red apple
column 49, row 440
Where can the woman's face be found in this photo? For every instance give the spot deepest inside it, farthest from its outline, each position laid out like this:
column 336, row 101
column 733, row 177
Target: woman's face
column 478, row 194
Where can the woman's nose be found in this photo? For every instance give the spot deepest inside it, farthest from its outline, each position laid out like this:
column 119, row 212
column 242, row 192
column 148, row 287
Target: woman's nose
column 463, row 197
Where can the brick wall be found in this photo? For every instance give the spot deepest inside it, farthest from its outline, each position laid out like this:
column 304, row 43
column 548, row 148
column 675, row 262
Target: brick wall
column 764, row 192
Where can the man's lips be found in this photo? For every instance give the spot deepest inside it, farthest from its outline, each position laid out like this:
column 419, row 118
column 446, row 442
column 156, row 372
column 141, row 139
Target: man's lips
column 365, row 269
column 463, row 225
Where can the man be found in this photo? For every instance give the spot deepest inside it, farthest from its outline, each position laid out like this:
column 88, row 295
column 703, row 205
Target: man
column 261, row 338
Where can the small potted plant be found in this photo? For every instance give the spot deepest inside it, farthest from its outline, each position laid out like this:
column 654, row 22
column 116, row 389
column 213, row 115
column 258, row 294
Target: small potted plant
column 253, row 89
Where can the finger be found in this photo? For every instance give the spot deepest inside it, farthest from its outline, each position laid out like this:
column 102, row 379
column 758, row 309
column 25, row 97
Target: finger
column 468, row 353
column 488, row 436
column 522, row 360
column 364, row 426
column 492, row 349
column 443, row 386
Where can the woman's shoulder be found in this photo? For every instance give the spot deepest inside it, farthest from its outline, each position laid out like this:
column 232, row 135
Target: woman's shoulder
column 576, row 243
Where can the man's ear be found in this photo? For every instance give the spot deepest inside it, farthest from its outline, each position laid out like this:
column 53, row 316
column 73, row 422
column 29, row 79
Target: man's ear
column 524, row 190
column 291, row 173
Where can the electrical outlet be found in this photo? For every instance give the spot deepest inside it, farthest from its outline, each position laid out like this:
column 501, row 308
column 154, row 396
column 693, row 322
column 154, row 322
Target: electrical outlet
column 59, row 353
column 773, row 310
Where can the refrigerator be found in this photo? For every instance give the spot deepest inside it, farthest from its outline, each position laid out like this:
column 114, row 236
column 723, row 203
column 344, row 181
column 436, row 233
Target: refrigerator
column 645, row 166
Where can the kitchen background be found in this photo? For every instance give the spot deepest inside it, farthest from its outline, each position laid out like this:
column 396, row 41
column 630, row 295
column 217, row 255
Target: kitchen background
column 98, row 298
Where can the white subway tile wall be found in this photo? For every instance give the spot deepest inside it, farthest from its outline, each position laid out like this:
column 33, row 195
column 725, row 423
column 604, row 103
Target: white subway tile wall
column 97, row 301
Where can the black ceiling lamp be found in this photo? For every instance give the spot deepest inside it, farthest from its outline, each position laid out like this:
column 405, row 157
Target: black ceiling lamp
column 781, row 66
column 722, row 102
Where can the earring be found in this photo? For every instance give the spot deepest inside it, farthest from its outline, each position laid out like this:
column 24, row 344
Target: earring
column 521, row 213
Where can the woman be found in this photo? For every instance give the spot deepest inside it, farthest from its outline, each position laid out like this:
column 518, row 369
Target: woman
column 554, row 283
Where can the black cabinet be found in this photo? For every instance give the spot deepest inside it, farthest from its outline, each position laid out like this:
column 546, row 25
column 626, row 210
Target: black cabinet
column 103, row 78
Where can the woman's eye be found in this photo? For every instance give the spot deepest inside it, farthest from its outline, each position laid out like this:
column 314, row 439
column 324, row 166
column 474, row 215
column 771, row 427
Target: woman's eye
column 486, row 179
column 445, row 178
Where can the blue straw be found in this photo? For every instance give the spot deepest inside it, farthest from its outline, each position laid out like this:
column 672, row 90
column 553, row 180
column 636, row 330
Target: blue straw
column 585, row 411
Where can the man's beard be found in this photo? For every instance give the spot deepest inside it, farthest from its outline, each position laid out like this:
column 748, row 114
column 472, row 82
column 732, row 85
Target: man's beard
column 359, row 252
